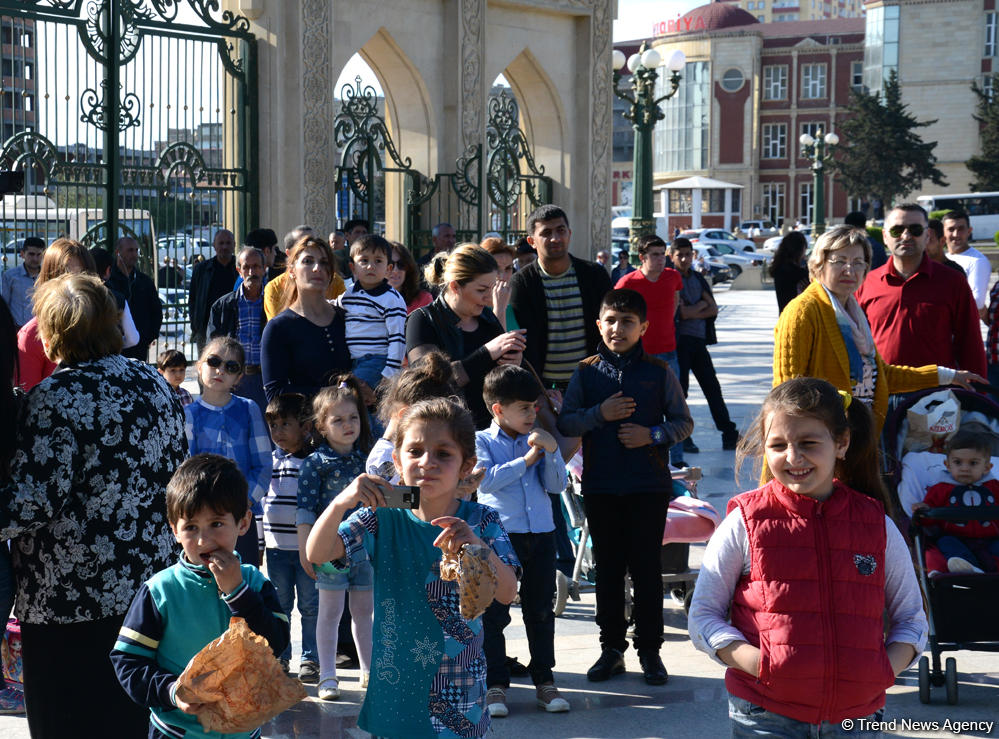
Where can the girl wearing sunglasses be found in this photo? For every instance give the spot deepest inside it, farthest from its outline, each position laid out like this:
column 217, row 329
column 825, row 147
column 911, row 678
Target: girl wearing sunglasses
column 222, row 423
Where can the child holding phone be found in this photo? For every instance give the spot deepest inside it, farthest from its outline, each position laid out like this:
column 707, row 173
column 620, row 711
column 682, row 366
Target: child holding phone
column 807, row 565
column 340, row 416
column 412, row 692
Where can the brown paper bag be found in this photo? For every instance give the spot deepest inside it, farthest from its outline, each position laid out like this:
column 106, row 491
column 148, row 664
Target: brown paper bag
column 476, row 578
column 239, row 680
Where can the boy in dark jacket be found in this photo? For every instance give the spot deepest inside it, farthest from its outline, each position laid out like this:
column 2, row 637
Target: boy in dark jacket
column 626, row 477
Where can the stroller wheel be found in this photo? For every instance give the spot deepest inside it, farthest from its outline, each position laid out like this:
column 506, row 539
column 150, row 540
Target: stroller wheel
column 687, row 599
column 950, row 680
column 561, row 592
column 924, row 680
column 678, row 592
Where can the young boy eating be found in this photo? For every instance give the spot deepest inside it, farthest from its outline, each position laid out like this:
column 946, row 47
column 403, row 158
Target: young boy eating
column 181, row 609
column 626, row 477
column 172, row 364
column 522, row 466
column 288, row 421
column 376, row 312
column 968, row 546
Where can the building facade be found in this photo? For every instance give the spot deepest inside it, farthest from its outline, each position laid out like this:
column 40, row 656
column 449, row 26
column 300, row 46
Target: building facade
column 778, row 11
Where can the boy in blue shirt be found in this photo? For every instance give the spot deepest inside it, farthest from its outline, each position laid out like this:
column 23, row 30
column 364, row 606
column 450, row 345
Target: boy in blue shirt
column 181, row 609
column 629, row 409
column 522, row 466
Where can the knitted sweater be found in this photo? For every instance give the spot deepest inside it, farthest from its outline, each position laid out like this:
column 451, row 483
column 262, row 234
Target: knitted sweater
column 808, row 343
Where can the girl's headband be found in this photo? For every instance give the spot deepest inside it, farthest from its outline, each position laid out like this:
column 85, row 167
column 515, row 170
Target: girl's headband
column 847, row 397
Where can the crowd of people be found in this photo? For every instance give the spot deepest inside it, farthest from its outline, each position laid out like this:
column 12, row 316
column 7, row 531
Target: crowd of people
column 363, row 416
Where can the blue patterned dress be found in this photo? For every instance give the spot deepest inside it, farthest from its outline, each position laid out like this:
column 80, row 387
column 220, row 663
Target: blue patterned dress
column 428, row 671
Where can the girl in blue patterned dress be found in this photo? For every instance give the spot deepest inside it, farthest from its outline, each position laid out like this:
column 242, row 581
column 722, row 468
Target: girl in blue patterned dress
column 340, row 416
column 428, row 670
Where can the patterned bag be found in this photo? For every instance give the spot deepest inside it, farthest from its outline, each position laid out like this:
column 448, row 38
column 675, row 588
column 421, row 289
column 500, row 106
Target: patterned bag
column 10, row 650
column 476, row 578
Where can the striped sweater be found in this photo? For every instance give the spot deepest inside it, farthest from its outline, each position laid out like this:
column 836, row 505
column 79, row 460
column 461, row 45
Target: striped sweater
column 376, row 324
column 280, row 502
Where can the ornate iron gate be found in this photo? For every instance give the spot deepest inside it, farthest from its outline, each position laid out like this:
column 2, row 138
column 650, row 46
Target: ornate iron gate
column 129, row 117
column 515, row 185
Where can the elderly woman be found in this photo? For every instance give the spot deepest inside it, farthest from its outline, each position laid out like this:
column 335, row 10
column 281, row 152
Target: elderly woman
column 823, row 332
column 98, row 442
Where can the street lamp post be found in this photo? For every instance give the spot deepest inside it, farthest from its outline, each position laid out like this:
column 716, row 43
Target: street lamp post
column 819, row 151
column 643, row 112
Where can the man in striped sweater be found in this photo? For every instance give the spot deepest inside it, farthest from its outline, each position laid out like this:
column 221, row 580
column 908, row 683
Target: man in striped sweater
column 376, row 312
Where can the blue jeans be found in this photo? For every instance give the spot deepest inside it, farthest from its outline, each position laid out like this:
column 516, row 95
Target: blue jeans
column 675, row 451
column 369, row 368
column 980, row 552
column 285, row 571
column 749, row 720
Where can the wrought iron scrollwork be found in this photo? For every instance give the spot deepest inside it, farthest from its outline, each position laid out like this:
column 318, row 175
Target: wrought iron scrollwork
column 507, row 146
column 227, row 21
column 94, row 109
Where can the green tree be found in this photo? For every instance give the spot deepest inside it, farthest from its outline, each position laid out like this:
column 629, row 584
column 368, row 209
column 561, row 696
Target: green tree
column 985, row 166
column 883, row 156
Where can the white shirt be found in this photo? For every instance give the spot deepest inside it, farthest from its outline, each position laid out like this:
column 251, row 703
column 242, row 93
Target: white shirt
column 978, row 268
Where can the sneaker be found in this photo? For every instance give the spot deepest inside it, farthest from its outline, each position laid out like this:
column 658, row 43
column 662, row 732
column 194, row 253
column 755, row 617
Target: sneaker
column 11, row 701
column 959, row 565
column 653, row 669
column 729, row 443
column 689, row 447
column 550, row 700
column 329, row 689
column 285, row 665
column 496, row 703
column 611, row 663
column 364, row 679
column 308, row 672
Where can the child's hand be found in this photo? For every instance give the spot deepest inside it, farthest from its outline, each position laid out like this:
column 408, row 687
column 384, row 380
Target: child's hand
column 366, row 490
column 541, row 438
column 224, row 567
column 533, row 456
column 633, row 435
column 617, row 406
column 192, row 708
column 555, row 397
column 456, row 533
column 306, row 564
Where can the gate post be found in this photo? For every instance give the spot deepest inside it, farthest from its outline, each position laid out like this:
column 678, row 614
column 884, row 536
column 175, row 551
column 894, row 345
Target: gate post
column 112, row 106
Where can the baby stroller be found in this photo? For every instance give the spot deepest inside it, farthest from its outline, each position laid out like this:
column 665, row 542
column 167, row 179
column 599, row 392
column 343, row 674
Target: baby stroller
column 688, row 521
column 960, row 607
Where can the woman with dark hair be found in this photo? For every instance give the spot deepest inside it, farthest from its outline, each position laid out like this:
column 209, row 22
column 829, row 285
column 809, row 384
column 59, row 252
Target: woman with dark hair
column 788, row 268
column 304, row 346
column 98, row 442
column 405, row 277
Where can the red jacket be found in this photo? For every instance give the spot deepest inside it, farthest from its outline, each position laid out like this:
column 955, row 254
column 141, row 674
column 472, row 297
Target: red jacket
column 813, row 602
column 947, row 495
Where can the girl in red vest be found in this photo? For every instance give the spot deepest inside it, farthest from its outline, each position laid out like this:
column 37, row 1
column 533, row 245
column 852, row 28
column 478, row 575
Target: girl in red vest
column 807, row 565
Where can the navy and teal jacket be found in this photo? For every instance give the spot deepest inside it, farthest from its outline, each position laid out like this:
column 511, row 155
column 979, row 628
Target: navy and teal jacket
column 608, row 467
column 173, row 616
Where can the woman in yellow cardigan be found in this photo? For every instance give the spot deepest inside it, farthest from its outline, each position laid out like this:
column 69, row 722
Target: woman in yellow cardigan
column 823, row 332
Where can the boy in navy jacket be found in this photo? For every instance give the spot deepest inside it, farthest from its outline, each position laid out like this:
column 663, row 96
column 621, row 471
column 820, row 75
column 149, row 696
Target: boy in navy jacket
column 184, row 607
column 629, row 409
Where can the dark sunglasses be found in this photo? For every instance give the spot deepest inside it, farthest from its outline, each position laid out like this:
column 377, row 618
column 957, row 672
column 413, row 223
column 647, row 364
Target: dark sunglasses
column 913, row 228
column 231, row 365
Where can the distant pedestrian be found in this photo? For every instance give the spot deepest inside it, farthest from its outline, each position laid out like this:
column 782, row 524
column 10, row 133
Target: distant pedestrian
column 857, row 219
column 957, row 231
column 788, row 269
column 936, row 246
column 211, row 280
column 140, row 292
column 799, row 541
column 444, row 238
column 525, row 253
column 19, row 282
column 604, row 259
column 623, row 266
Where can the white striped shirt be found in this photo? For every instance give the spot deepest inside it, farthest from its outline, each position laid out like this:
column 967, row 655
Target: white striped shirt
column 280, row 531
column 375, row 324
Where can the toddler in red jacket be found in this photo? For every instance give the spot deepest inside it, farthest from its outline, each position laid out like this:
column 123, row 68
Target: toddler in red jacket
column 968, row 546
column 807, row 565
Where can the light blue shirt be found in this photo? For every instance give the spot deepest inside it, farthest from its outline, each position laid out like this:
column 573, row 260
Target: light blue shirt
column 518, row 493
column 17, row 287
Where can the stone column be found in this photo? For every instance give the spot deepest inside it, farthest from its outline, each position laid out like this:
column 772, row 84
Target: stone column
column 319, row 161
column 601, row 126
column 473, row 88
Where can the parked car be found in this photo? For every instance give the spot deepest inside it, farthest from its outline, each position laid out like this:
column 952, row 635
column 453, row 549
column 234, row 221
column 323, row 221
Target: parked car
column 758, row 228
column 175, row 318
column 735, row 261
column 720, row 272
column 771, row 244
column 716, row 236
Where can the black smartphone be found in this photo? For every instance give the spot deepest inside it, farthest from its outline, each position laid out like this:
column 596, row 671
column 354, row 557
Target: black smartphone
column 402, row 496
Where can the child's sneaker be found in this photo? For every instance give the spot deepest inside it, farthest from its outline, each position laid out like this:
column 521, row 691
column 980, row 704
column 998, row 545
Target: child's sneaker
column 11, row 701
column 550, row 700
column 329, row 689
column 308, row 672
column 285, row 665
column 364, row 679
column 958, row 565
column 496, row 703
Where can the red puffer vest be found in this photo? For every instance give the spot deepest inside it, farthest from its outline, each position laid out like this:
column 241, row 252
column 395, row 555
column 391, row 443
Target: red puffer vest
column 813, row 602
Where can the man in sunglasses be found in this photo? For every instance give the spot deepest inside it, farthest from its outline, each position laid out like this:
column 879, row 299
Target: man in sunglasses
column 920, row 312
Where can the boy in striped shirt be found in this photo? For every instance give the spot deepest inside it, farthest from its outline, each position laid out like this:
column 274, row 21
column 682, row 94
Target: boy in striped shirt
column 376, row 312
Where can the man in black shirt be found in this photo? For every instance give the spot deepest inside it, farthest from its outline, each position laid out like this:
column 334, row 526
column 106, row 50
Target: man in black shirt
column 140, row 292
column 211, row 279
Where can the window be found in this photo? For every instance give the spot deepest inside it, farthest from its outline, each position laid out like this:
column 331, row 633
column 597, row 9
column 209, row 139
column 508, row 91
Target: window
column 990, row 34
column 812, row 128
column 774, row 141
column 813, row 81
column 712, row 201
column 806, row 199
column 681, row 139
column 773, row 201
column 732, row 80
column 775, row 82
column 856, row 75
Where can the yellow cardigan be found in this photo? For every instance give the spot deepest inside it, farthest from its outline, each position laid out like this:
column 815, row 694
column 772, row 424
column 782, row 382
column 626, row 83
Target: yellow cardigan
column 274, row 293
column 808, row 343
